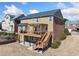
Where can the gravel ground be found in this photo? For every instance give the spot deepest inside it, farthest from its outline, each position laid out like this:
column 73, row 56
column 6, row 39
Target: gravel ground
column 68, row 47
column 15, row 49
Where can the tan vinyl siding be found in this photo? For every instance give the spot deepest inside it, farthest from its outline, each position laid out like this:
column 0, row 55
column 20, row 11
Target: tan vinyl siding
column 46, row 20
column 26, row 21
column 42, row 20
column 30, row 28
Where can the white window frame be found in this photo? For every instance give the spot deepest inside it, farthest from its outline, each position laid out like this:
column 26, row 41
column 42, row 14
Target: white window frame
column 50, row 18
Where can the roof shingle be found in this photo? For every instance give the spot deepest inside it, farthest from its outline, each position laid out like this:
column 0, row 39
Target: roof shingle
column 56, row 13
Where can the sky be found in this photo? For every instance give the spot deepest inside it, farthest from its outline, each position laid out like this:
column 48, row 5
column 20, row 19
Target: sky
column 70, row 10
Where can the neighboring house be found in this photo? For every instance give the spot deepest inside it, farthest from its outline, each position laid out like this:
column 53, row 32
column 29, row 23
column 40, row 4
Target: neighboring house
column 72, row 25
column 7, row 23
column 68, row 25
column 10, row 22
column 42, row 26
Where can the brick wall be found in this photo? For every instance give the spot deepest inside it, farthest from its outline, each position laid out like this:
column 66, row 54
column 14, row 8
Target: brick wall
column 58, row 27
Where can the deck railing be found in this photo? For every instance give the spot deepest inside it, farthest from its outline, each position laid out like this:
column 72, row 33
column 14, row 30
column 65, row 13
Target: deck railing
column 35, row 32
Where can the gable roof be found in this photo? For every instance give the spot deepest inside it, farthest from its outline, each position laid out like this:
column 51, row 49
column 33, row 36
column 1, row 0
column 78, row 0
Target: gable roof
column 56, row 13
column 19, row 17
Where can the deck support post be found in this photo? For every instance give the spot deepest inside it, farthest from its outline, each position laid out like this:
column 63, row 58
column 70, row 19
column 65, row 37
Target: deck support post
column 19, row 38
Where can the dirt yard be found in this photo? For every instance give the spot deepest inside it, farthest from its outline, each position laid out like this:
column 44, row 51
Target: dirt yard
column 69, row 47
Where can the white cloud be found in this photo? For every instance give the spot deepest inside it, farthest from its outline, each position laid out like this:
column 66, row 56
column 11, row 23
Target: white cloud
column 75, row 4
column 13, row 10
column 61, row 5
column 72, row 12
column 33, row 11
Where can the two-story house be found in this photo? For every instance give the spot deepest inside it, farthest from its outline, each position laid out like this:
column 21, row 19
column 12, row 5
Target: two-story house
column 41, row 28
column 7, row 24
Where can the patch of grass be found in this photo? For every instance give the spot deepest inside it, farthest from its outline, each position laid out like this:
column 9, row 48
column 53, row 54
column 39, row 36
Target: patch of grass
column 55, row 44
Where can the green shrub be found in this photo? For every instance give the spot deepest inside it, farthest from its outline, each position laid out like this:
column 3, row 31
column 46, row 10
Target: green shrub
column 2, row 33
column 7, row 35
column 66, row 31
column 55, row 44
column 58, row 40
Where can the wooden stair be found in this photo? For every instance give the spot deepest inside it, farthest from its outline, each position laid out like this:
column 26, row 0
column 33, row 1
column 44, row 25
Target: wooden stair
column 36, row 45
column 43, row 43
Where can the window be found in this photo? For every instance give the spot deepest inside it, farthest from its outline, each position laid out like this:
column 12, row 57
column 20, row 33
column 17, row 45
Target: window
column 50, row 18
column 35, row 19
column 11, row 27
column 22, row 28
column 6, row 17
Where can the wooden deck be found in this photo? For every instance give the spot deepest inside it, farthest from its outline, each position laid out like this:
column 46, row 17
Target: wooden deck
column 36, row 23
column 33, row 24
column 31, row 34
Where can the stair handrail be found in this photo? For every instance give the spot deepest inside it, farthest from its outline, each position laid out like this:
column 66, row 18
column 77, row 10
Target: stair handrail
column 45, row 43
